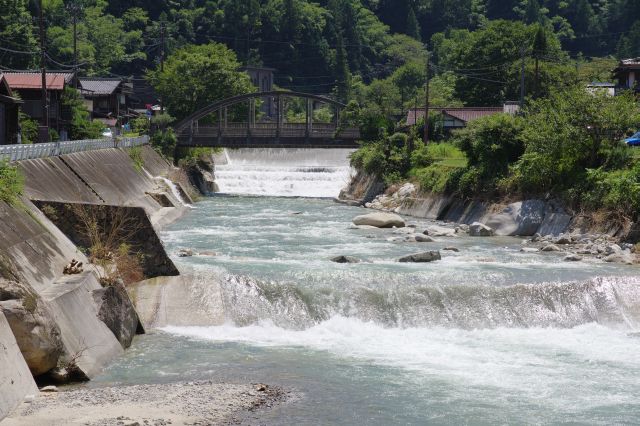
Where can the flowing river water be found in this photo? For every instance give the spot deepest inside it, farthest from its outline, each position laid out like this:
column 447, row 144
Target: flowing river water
column 488, row 335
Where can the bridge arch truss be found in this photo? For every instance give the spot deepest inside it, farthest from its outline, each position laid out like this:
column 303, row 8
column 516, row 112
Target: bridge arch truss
column 274, row 132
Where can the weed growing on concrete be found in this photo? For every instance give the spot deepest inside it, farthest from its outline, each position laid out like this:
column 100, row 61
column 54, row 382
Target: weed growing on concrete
column 11, row 183
column 108, row 230
column 135, row 154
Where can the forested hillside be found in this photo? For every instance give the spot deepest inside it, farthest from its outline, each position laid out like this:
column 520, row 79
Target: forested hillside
column 321, row 46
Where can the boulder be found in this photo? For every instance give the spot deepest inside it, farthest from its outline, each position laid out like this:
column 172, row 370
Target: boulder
column 421, row 238
column 477, row 229
column 33, row 326
column 380, row 220
column 523, row 218
column 117, row 312
column 623, row 257
column 345, row 259
column 453, row 249
column 563, row 240
column 186, row 253
column 572, row 258
column 407, row 190
column 429, row 256
column 550, row 247
column 440, row 231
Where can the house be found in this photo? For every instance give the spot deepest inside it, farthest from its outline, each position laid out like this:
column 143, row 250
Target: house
column 262, row 79
column 29, row 86
column 8, row 114
column 627, row 74
column 107, row 99
column 457, row 118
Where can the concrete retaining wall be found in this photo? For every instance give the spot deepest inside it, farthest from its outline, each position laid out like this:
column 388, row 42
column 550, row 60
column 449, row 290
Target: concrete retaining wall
column 87, row 340
column 34, row 252
column 15, row 378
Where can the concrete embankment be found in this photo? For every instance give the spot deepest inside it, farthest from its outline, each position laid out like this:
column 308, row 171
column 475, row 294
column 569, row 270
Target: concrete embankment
column 58, row 325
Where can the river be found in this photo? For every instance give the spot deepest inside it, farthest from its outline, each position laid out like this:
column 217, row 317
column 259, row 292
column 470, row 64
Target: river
column 488, row 335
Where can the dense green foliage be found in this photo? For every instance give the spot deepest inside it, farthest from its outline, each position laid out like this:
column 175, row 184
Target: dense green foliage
column 195, row 76
column 567, row 145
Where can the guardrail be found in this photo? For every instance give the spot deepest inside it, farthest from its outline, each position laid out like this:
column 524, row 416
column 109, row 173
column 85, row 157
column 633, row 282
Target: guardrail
column 13, row 153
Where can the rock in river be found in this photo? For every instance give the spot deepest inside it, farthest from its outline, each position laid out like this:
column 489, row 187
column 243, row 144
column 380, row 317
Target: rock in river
column 345, row 259
column 477, row 229
column 380, row 220
column 429, row 256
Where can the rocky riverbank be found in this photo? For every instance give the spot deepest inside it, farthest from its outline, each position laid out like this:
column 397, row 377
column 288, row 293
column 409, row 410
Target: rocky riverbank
column 191, row 403
column 552, row 227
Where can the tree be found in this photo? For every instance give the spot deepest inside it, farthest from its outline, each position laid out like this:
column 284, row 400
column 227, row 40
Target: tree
column 196, row 76
column 16, row 35
column 532, row 12
column 629, row 44
column 539, row 48
column 413, row 28
column 81, row 126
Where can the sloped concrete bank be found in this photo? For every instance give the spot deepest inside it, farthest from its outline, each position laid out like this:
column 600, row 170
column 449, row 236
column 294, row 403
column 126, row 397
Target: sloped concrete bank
column 522, row 218
column 69, row 326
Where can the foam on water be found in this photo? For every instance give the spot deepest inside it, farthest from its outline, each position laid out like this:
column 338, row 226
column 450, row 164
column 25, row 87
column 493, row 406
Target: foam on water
column 318, row 173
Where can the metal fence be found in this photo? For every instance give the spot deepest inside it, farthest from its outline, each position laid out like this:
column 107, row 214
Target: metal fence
column 43, row 150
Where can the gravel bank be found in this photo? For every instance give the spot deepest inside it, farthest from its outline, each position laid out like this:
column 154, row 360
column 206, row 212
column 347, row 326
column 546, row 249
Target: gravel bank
column 191, row 403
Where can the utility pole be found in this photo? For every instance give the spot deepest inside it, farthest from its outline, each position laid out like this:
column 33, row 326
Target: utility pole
column 75, row 48
column 162, row 53
column 43, row 68
column 522, row 78
column 426, row 105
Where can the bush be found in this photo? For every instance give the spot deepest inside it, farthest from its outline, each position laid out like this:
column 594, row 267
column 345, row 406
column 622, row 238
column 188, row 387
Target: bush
column 29, row 128
column 11, row 183
column 165, row 142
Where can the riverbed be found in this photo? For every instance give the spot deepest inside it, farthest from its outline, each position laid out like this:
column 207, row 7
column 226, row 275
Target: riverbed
column 487, row 335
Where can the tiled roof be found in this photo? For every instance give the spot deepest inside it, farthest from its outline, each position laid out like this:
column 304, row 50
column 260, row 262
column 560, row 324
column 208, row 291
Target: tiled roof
column 33, row 80
column 99, row 86
column 465, row 114
column 631, row 61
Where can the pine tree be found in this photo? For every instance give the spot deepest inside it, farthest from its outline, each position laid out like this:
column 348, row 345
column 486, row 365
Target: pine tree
column 532, row 12
column 540, row 48
column 413, row 28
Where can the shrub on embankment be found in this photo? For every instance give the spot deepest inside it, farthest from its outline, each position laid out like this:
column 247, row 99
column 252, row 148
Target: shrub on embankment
column 568, row 146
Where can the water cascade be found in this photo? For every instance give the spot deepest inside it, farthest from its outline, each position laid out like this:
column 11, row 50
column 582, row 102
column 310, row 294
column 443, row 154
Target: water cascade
column 319, row 173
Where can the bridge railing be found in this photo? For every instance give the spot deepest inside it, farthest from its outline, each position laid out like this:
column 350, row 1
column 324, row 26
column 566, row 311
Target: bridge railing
column 269, row 130
column 13, row 153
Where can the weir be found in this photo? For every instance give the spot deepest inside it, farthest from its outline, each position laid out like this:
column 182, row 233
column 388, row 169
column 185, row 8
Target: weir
column 283, row 172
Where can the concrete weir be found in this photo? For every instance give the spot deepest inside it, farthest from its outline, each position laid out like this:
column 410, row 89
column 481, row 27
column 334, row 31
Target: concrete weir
column 93, row 326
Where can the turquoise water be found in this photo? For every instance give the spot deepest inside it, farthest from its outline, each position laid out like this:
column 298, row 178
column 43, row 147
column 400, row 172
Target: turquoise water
column 453, row 342
column 488, row 335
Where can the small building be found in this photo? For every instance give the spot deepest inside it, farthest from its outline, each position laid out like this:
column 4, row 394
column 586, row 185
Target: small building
column 458, row 118
column 599, row 87
column 627, row 74
column 262, row 78
column 9, row 128
column 107, row 99
column 29, row 86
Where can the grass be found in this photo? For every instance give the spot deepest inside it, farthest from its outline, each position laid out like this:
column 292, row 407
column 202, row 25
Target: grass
column 447, row 161
column 11, row 183
column 135, row 154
